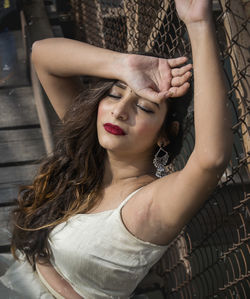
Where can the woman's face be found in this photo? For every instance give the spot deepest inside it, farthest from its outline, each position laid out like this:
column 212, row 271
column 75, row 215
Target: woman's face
column 127, row 123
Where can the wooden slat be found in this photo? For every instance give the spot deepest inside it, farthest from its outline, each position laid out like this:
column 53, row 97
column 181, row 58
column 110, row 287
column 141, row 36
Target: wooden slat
column 18, row 75
column 17, row 107
column 8, row 192
column 17, row 174
column 21, row 145
column 40, row 28
column 5, row 227
column 11, row 178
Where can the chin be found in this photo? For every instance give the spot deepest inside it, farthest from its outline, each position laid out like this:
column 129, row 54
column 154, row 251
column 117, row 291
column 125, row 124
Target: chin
column 109, row 141
column 111, row 146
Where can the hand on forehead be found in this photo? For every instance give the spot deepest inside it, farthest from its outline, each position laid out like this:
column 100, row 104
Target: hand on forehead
column 157, row 79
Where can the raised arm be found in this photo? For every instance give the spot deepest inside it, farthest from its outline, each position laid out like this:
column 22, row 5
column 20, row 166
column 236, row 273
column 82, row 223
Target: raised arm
column 59, row 62
column 213, row 135
column 180, row 195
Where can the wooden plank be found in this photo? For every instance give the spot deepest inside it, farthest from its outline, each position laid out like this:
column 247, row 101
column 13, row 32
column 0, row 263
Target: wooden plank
column 18, row 73
column 14, row 175
column 21, row 145
column 9, row 193
column 40, row 28
column 5, row 228
column 17, row 107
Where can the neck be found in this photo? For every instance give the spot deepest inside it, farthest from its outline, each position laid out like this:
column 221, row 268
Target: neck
column 122, row 169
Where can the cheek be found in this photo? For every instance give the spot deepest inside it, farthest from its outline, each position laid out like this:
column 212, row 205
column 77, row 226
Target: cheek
column 102, row 110
column 149, row 128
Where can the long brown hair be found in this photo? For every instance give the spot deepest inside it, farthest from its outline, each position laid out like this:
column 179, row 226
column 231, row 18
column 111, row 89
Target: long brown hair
column 69, row 180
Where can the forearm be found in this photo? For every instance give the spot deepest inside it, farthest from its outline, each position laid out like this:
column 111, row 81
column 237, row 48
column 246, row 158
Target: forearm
column 213, row 135
column 68, row 58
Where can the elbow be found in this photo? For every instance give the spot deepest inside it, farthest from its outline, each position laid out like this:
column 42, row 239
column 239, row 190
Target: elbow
column 39, row 50
column 218, row 155
column 215, row 162
column 218, row 163
column 35, row 51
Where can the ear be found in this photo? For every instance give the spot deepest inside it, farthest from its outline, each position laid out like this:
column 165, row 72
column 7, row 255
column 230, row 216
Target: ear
column 174, row 128
column 173, row 131
column 163, row 141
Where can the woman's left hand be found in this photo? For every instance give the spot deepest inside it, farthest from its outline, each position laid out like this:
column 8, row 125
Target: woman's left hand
column 157, row 78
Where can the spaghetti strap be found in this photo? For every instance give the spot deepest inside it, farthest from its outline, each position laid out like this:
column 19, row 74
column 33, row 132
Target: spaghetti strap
column 128, row 198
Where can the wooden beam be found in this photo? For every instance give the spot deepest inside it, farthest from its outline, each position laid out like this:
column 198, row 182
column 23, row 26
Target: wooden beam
column 21, row 145
column 42, row 112
column 17, row 107
column 39, row 28
column 237, row 29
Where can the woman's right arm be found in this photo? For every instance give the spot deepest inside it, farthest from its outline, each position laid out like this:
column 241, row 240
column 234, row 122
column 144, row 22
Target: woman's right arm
column 59, row 62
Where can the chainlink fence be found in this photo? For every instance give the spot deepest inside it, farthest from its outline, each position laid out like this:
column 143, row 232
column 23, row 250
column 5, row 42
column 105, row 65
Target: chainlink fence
column 210, row 258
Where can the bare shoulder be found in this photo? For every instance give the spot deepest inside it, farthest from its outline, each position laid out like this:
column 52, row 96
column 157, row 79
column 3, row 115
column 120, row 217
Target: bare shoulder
column 159, row 211
column 141, row 217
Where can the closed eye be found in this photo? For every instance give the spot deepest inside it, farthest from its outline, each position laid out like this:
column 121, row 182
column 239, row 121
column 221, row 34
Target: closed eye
column 137, row 105
column 144, row 109
column 114, row 96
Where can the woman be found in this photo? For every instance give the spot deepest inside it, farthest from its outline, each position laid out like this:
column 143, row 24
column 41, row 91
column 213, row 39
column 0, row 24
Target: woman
column 97, row 216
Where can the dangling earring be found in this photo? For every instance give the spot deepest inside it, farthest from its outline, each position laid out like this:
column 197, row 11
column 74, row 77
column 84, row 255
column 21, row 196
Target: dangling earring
column 160, row 161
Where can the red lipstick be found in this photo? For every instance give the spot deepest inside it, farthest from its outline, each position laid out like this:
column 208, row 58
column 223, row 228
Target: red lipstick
column 113, row 129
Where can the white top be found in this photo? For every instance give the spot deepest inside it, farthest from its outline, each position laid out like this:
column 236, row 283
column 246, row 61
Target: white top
column 99, row 257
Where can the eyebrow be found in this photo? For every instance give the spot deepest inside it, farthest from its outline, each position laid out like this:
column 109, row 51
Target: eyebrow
column 121, row 85
column 156, row 104
column 124, row 86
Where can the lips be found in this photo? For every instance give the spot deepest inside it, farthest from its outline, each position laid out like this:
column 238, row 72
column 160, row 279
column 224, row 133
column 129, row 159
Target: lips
column 113, row 129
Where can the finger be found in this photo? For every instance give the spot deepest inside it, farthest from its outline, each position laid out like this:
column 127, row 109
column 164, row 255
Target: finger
column 180, row 80
column 177, row 61
column 182, row 70
column 179, row 91
column 150, row 94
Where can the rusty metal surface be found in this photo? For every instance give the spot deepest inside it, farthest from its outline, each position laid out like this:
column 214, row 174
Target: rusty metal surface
column 210, row 258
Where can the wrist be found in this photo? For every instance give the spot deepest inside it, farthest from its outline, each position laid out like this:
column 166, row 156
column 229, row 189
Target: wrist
column 199, row 26
column 106, row 64
column 122, row 66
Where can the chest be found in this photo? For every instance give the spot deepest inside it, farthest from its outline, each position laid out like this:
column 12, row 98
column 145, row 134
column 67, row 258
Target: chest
column 136, row 215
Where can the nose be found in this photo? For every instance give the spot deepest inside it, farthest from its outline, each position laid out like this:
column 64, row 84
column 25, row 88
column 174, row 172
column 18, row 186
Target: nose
column 121, row 109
